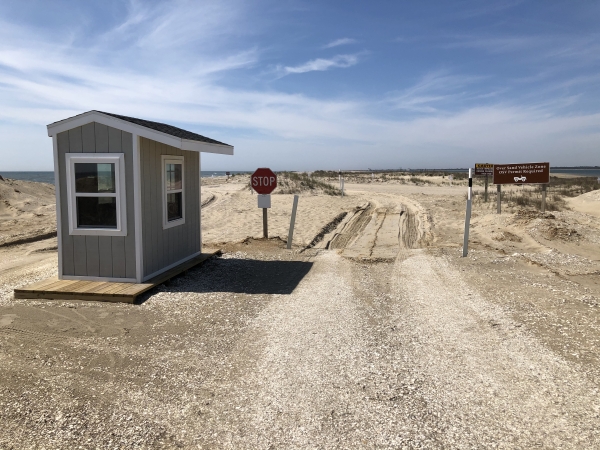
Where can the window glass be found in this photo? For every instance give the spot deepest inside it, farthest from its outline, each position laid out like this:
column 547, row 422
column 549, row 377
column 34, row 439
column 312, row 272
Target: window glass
column 94, row 178
column 96, row 212
column 173, row 177
column 174, row 210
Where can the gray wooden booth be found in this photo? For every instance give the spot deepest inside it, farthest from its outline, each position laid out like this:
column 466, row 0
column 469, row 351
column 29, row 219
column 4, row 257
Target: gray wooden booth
column 127, row 196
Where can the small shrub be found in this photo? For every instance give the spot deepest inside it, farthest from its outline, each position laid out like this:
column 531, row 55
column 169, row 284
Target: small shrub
column 295, row 183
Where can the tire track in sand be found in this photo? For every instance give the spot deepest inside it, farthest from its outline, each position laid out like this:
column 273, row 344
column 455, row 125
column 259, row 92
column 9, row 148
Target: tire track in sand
column 378, row 233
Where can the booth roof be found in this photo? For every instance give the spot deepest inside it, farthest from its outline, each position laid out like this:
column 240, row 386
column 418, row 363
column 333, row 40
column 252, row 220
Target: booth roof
column 167, row 129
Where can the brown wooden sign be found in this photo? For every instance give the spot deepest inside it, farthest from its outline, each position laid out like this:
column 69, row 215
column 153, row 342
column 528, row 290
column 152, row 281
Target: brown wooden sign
column 528, row 173
column 484, row 170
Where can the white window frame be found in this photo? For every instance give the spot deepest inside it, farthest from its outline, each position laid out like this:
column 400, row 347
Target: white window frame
column 172, row 159
column 118, row 159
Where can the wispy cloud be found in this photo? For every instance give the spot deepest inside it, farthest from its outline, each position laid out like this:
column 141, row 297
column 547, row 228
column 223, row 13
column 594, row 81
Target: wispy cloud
column 176, row 25
column 484, row 9
column 175, row 64
column 342, row 41
column 321, row 64
column 533, row 48
column 432, row 91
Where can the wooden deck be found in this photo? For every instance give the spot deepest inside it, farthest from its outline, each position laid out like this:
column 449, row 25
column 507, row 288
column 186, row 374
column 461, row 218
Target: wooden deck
column 102, row 291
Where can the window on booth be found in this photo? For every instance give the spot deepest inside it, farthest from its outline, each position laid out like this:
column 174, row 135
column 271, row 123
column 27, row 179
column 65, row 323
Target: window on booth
column 173, row 191
column 96, row 192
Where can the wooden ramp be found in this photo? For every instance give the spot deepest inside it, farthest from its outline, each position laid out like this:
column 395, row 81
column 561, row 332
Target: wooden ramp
column 102, row 291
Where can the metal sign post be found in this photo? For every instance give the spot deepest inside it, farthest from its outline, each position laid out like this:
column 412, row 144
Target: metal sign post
column 292, row 221
column 468, row 214
column 264, row 181
column 265, row 224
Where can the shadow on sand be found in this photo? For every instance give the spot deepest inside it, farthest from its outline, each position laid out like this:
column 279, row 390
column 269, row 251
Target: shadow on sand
column 242, row 276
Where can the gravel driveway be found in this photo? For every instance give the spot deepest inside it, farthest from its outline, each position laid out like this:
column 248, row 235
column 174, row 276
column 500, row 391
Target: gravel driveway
column 265, row 348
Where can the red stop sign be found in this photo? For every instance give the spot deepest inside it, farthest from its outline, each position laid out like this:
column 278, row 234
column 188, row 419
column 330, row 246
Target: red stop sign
column 263, row 181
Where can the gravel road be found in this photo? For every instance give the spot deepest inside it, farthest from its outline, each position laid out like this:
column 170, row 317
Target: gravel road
column 266, row 348
column 406, row 355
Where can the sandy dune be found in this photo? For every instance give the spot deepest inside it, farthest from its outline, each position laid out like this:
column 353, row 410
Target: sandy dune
column 588, row 203
column 234, row 215
column 27, row 211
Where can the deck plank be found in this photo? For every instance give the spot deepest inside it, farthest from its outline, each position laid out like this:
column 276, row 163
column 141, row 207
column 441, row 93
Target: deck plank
column 136, row 289
column 51, row 287
column 107, row 291
column 40, row 284
column 96, row 287
column 65, row 286
column 108, row 288
column 79, row 286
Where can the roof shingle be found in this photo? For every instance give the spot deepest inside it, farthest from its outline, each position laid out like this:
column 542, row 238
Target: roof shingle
column 167, row 129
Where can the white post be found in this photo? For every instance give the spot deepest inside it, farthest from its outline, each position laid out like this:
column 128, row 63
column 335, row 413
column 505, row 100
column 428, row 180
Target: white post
column 292, row 221
column 342, row 186
column 468, row 214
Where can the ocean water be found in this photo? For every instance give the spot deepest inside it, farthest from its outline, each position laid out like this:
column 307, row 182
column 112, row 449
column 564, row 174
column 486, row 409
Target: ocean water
column 579, row 172
column 48, row 177
column 40, row 177
column 217, row 173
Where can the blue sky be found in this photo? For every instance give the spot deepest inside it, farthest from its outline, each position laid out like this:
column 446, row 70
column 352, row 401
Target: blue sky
column 304, row 85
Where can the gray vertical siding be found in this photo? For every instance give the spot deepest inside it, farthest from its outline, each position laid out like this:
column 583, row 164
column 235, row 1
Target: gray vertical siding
column 162, row 248
column 97, row 256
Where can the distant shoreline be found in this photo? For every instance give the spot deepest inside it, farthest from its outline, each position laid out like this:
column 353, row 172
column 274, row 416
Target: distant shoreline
column 48, row 176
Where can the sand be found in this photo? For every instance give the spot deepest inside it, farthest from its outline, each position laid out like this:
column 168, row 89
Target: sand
column 588, row 203
column 233, row 214
column 27, row 211
column 372, row 331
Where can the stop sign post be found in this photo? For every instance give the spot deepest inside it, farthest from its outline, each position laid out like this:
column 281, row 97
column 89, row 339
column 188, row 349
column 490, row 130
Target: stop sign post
column 264, row 181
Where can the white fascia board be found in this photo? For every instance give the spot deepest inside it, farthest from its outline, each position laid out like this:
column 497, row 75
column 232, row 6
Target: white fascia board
column 135, row 129
column 205, row 147
column 95, row 116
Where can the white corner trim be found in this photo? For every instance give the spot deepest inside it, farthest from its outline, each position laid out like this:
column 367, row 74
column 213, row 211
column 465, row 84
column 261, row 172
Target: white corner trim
column 137, row 202
column 200, row 197
column 58, row 206
column 118, row 159
column 164, row 138
column 169, row 267
column 164, row 160
column 109, row 279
